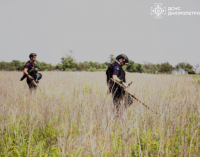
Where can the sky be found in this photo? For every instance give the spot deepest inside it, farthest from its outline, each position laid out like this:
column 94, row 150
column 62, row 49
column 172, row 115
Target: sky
column 94, row 29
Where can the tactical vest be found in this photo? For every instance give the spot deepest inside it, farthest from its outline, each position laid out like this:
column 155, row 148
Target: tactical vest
column 109, row 74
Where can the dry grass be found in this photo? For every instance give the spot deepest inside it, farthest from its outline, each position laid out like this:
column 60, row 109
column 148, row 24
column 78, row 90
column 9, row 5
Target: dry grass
column 73, row 116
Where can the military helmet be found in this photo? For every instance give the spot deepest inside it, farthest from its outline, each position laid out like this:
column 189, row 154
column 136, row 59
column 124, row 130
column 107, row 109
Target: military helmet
column 32, row 54
column 122, row 56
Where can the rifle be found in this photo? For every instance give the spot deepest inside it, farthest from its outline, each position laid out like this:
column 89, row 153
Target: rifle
column 133, row 95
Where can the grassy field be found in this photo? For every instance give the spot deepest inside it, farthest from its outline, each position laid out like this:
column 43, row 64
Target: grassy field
column 74, row 116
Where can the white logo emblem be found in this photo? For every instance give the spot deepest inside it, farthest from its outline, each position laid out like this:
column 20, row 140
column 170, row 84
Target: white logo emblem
column 158, row 11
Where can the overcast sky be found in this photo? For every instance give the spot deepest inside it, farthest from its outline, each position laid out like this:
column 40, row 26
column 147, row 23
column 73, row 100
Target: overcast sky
column 94, row 29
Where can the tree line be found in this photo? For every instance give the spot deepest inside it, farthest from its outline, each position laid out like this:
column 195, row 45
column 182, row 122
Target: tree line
column 163, row 68
column 17, row 65
column 68, row 63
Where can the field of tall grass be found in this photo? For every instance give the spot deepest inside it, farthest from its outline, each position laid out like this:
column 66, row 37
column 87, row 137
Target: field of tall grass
column 73, row 116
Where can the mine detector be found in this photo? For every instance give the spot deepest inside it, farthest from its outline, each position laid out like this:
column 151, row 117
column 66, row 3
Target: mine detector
column 132, row 96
